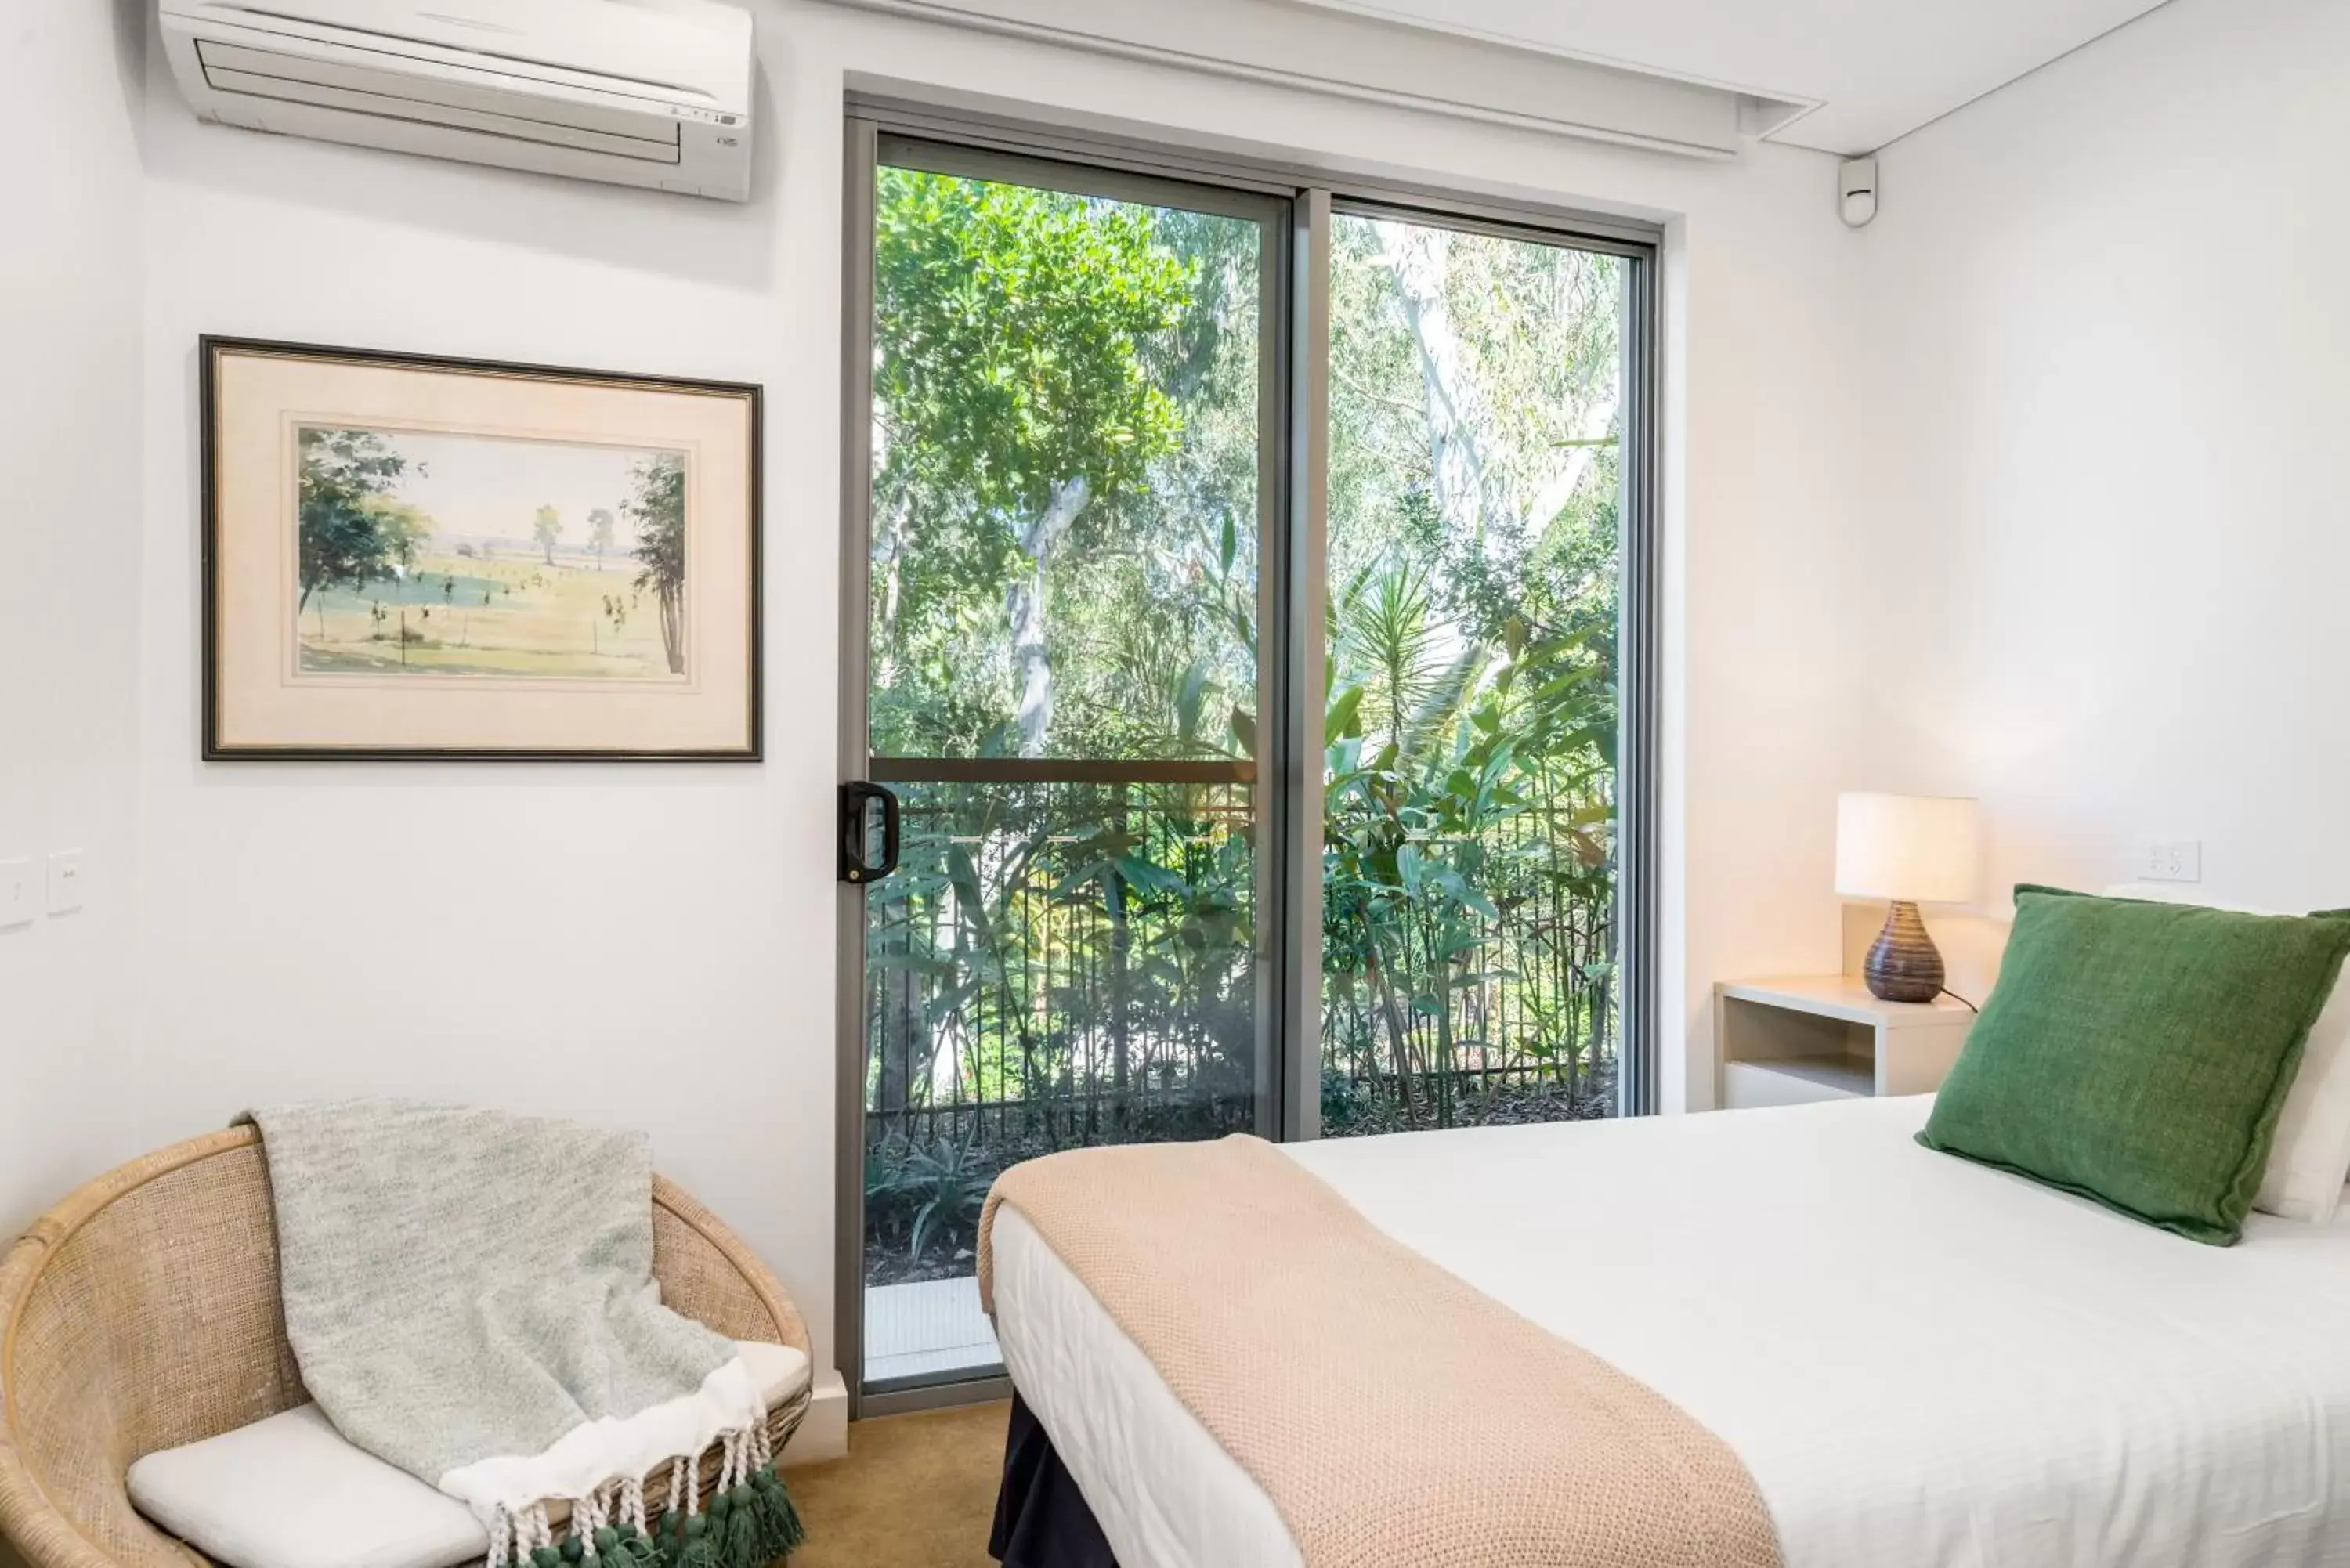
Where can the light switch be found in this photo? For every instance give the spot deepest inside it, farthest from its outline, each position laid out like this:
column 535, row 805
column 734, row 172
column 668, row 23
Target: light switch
column 65, row 870
column 18, row 903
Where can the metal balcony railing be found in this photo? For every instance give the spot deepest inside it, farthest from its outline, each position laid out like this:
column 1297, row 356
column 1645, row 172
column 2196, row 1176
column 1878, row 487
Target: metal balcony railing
column 1070, row 960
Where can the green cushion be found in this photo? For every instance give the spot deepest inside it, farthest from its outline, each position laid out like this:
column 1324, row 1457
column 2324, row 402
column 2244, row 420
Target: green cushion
column 2139, row 1054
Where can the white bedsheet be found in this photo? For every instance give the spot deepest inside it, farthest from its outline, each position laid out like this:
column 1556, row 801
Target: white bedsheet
column 1924, row 1363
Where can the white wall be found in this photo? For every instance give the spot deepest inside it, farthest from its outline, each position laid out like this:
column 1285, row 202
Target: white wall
column 70, row 90
column 2109, row 526
column 557, row 937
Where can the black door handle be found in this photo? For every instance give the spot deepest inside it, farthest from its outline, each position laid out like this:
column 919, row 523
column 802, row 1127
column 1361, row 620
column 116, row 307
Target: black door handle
column 857, row 864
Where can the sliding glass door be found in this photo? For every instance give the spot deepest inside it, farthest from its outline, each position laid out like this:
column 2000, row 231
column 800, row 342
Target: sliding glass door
column 1245, row 681
column 1062, row 684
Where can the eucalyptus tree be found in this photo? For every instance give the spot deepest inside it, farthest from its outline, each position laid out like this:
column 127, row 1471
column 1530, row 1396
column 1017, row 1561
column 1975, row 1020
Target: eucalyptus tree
column 1015, row 409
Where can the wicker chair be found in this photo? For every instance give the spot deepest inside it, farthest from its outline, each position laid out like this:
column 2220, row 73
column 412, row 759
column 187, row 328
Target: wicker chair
column 142, row 1313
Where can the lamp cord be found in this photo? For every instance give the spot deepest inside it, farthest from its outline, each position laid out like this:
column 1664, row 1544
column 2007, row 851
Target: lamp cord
column 1961, row 1000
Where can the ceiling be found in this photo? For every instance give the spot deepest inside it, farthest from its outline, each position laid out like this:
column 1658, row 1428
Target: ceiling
column 1876, row 69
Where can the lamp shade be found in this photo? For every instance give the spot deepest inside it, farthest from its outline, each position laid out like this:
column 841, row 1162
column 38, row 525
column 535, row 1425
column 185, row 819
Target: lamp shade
column 1914, row 848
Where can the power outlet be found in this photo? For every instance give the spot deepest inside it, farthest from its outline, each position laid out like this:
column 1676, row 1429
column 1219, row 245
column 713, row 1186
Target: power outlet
column 2169, row 861
column 18, row 902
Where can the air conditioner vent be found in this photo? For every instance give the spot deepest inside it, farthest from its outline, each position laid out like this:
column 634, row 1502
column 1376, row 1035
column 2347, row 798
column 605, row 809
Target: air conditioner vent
column 619, row 83
column 485, row 110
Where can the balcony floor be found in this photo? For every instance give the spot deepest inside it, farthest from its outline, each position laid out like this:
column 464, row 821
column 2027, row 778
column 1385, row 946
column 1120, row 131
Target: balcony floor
column 931, row 1330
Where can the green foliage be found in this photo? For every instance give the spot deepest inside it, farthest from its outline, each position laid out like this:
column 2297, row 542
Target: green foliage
column 1033, row 345
column 1481, row 797
column 928, row 1193
column 1469, row 867
column 1079, row 963
column 351, row 531
column 655, row 507
column 546, row 527
column 1011, row 322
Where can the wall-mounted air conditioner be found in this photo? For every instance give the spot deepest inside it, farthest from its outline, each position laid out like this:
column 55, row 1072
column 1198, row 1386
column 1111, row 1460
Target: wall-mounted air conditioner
column 640, row 92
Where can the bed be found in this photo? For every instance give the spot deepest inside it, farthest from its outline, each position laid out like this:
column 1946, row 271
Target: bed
column 1922, row 1361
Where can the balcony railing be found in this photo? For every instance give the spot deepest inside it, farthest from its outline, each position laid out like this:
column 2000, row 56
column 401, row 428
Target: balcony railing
column 1073, row 962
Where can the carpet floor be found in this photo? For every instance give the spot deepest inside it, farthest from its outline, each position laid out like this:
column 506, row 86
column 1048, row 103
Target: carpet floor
column 915, row 1491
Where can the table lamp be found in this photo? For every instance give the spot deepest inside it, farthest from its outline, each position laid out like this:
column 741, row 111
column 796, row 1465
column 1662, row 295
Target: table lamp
column 1912, row 849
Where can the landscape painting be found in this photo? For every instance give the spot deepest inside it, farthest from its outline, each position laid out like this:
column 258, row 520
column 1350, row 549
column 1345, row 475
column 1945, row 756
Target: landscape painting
column 410, row 557
column 431, row 554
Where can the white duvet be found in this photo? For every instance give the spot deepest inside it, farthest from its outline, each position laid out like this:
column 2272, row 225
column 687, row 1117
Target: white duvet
column 1924, row 1363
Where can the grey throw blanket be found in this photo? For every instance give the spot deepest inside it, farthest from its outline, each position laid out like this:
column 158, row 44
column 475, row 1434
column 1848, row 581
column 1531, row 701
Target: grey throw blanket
column 471, row 1297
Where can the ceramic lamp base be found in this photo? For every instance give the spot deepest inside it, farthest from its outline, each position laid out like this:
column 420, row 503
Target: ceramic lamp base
column 1903, row 964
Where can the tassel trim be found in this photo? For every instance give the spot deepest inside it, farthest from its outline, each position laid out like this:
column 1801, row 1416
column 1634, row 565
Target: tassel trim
column 751, row 1522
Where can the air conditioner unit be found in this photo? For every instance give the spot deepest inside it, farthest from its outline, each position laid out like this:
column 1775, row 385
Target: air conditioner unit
column 639, row 93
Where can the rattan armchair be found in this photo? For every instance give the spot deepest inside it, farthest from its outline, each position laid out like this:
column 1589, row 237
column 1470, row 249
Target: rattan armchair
column 142, row 1313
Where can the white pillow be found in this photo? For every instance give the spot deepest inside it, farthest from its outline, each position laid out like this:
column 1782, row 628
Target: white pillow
column 290, row 1492
column 2309, row 1159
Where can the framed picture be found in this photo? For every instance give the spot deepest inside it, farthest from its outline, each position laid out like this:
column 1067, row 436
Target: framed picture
column 411, row 557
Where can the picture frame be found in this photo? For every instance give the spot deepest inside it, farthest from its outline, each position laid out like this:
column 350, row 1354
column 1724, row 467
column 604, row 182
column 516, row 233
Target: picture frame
column 589, row 541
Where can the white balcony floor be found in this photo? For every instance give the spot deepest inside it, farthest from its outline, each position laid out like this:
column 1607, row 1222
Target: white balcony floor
column 931, row 1329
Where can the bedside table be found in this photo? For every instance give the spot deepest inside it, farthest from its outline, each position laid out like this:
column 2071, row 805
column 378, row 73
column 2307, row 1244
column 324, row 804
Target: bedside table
column 1791, row 1041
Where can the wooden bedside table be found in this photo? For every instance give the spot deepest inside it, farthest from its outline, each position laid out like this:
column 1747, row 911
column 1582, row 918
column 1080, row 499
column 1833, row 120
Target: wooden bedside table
column 1792, row 1041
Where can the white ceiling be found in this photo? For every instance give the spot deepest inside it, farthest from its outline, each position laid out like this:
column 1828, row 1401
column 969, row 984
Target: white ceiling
column 1876, row 69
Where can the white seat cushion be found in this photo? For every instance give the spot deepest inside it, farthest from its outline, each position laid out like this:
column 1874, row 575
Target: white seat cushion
column 778, row 1369
column 290, row 1492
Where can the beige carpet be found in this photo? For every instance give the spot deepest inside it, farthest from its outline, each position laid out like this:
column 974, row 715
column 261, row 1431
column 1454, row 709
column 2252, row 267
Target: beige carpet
column 915, row 1491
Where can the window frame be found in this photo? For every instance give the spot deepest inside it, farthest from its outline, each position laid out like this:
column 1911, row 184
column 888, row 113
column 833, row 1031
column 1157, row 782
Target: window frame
column 1297, row 202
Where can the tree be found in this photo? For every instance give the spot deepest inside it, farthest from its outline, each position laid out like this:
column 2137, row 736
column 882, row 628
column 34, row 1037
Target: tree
column 1013, row 398
column 600, row 534
column 546, row 528
column 352, row 531
column 1417, row 254
column 1498, row 360
column 656, row 509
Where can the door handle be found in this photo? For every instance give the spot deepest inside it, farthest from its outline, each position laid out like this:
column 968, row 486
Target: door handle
column 857, row 863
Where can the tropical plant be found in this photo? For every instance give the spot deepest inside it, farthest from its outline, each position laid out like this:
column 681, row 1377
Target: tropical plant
column 933, row 1192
